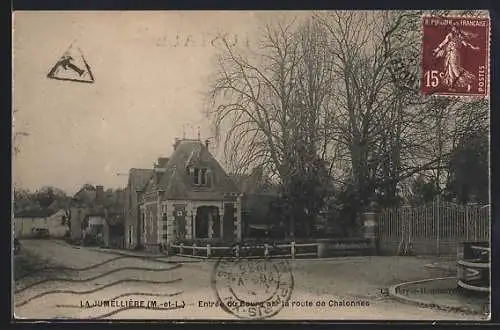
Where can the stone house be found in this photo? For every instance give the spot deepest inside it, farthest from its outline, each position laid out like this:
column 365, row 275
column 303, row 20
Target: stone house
column 187, row 197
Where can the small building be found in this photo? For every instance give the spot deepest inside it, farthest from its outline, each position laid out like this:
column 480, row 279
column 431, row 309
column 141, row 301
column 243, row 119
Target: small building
column 26, row 222
column 97, row 216
column 188, row 196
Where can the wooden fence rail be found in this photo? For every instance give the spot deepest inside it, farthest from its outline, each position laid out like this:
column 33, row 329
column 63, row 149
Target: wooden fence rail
column 291, row 250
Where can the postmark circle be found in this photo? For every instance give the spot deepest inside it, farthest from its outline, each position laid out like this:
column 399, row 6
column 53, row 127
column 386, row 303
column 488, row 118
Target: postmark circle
column 252, row 288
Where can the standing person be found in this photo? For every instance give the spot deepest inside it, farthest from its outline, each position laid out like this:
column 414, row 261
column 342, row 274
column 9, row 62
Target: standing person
column 455, row 75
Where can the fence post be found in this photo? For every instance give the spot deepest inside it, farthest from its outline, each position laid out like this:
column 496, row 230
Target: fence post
column 321, row 247
column 237, row 250
column 370, row 233
column 194, row 249
column 292, row 248
column 181, row 248
column 266, row 250
column 209, row 252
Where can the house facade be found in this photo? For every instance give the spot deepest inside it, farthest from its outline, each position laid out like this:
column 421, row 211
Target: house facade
column 26, row 222
column 137, row 180
column 188, row 197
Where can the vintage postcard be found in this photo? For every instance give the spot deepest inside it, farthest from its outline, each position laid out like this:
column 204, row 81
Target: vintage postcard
column 251, row 165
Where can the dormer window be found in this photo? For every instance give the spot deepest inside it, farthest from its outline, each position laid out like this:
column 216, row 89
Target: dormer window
column 200, row 176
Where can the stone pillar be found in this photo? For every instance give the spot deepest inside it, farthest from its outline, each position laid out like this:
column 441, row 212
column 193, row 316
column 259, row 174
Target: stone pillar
column 170, row 223
column 370, row 230
column 210, row 224
column 159, row 217
column 322, row 248
column 193, row 221
column 221, row 219
column 164, row 224
column 189, row 220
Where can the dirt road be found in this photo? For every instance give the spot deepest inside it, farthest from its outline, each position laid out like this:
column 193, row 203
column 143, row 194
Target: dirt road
column 138, row 288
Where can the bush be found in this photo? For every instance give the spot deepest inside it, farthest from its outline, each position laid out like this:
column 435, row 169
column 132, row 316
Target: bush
column 90, row 240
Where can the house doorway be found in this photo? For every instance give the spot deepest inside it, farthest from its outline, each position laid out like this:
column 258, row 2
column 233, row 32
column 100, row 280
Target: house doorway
column 130, row 233
column 207, row 217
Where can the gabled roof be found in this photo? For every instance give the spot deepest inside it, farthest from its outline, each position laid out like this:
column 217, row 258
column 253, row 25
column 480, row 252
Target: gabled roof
column 177, row 183
column 139, row 177
column 85, row 195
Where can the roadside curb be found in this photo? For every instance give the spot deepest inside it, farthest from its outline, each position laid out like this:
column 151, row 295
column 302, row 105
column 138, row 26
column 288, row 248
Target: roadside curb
column 422, row 303
column 440, row 267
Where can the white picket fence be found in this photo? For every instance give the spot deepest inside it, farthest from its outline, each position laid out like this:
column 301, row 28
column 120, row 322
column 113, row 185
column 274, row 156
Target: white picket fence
column 207, row 251
column 437, row 228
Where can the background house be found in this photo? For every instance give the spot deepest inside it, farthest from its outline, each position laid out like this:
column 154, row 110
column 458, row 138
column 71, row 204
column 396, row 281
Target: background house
column 137, row 180
column 26, row 221
column 97, row 216
column 188, row 196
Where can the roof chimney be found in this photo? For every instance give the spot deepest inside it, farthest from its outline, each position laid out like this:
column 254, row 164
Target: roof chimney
column 162, row 162
column 99, row 194
column 207, row 143
column 160, row 167
column 176, row 143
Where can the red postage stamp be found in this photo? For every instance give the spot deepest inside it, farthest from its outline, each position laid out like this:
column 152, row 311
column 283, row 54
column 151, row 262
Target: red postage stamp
column 455, row 56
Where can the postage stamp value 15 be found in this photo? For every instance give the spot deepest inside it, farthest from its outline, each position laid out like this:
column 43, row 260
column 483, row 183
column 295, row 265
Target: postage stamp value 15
column 455, row 56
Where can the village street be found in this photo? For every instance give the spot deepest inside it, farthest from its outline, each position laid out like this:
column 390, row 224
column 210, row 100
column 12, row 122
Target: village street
column 184, row 283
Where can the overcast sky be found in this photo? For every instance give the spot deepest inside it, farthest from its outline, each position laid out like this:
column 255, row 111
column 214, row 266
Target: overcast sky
column 150, row 72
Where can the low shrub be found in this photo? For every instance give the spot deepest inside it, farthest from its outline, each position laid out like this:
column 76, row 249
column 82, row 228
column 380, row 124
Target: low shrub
column 91, row 240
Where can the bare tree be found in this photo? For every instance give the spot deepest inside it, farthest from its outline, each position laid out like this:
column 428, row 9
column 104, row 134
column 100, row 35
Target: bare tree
column 271, row 104
column 363, row 96
column 338, row 89
column 251, row 100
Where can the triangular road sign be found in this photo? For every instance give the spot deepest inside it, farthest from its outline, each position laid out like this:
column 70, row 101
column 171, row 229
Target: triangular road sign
column 72, row 66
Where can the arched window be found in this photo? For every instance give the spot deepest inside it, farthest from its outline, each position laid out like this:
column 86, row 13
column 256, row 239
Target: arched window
column 196, row 176
column 203, row 176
